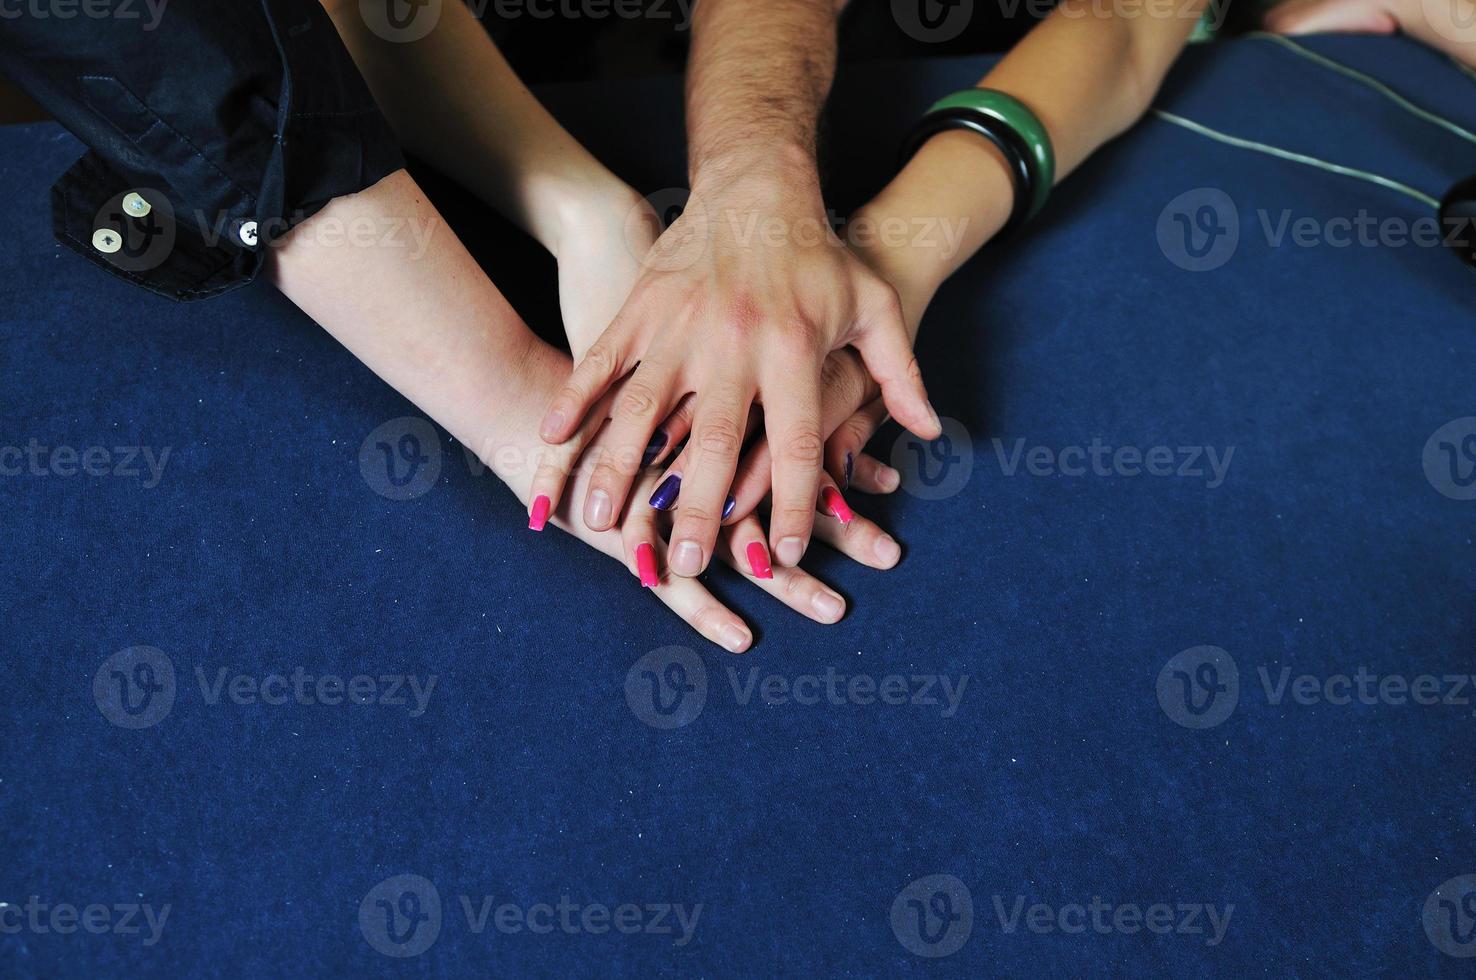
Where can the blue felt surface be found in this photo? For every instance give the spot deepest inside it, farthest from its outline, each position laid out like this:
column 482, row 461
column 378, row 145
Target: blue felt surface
column 529, row 776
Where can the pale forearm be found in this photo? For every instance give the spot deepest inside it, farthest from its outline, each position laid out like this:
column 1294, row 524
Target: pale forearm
column 453, row 100
column 757, row 77
column 424, row 319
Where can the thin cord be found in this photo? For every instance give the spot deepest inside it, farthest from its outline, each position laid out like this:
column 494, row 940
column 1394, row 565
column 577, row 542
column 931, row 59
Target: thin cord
column 1369, row 81
column 1314, row 162
column 1301, row 158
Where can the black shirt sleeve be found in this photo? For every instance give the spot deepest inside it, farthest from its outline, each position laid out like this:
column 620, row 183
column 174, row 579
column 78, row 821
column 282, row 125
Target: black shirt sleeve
column 213, row 127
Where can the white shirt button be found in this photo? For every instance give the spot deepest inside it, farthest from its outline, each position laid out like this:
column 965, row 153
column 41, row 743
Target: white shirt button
column 135, row 205
column 247, row 234
column 107, row 240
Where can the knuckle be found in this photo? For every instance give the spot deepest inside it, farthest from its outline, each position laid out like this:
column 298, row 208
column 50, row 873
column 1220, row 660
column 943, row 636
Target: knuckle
column 709, row 620
column 795, row 586
column 791, row 518
column 720, row 439
column 855, row 431
column 803, row 446
column 881, row 299
column 888, row 303
column 638, row 399
column 800, row 340
column 840, row 379
column 696, row 520
column 600, row 360
column 743, row 315
column 914, row 370
column 606, row 472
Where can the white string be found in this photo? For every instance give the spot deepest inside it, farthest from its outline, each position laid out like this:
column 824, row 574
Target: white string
column 1315, row 162
column 1369, row 81
column 1301, row 158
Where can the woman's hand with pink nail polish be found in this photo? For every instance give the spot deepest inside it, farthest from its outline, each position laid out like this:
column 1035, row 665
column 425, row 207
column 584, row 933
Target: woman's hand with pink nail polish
column 731, row 318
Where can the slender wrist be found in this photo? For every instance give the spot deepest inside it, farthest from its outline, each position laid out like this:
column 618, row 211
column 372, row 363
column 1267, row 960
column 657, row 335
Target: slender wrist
column 561, row 205
column 954, row 195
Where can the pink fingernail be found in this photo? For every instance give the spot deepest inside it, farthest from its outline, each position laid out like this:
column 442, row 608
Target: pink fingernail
column 539, row 516
column 837, row 505
column 646, row 565
column 758, row 560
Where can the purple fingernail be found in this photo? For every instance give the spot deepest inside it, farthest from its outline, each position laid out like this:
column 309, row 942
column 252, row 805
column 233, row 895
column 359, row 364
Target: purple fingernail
column 666, row 494
column 850, row 465
column 729, row 505
column 653, row 448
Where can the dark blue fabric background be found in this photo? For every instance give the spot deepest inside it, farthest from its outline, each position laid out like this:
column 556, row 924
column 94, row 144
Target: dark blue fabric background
column 529, row 776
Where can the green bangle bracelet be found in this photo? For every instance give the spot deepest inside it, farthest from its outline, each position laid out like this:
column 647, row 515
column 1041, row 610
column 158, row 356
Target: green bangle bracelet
column 1017, row 116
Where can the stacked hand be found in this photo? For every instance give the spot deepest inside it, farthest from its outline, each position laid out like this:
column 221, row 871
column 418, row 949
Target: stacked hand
column 737, row 304
column 614, row 425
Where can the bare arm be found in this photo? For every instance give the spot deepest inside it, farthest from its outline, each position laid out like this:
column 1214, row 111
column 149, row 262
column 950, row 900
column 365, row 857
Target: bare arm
column 453, row 100
column 744, row 295
column 431, row 325
column 1087, row 75
column 757, row 79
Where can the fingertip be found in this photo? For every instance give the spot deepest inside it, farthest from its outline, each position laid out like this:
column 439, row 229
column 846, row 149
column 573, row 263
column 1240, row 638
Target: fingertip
column 835, row 505
column 599, row 512
column 758, row 560
column 734, row 638
column 933, row 426
column 686, row 559
column 538, row 514
column 554, row 425
column 829, row 607
column 789, row 550
column 646, row 565
column 887, row 551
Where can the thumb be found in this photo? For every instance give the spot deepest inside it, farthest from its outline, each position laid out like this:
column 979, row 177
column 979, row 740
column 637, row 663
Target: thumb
column 887, row 353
